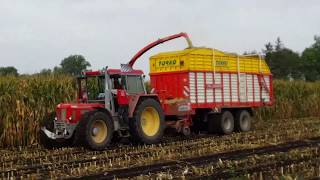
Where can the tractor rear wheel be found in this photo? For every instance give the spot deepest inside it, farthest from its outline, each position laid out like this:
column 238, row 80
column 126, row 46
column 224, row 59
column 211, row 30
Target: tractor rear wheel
column 243, row 121
column 222, row 123
column 95, row 130
column 44, row 140
column 147, row 125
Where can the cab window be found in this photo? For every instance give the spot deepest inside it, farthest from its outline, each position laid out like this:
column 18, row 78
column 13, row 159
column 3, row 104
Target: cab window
column 134, row 84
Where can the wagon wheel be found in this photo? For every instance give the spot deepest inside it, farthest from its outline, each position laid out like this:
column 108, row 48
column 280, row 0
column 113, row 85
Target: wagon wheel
column 243, row 121
column 221, row 123
column 147, row 125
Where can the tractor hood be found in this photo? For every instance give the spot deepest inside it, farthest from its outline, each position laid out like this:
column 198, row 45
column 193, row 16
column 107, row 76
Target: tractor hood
column 72, row 112
column 80, row 105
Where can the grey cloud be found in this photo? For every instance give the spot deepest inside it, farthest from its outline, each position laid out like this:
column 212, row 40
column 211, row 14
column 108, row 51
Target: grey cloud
column 38, row 34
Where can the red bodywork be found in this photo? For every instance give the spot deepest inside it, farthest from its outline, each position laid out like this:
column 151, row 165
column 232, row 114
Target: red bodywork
column 122, row 97
column 169, row 87
column 74, row 111
column 173, row 89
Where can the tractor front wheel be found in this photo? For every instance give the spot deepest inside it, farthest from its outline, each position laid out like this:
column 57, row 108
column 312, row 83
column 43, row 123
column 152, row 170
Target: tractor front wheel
column 95, row 130
column 147, row 125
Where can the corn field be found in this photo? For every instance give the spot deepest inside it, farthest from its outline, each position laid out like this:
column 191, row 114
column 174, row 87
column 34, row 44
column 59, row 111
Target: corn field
column 293, row 99
column 26, row 100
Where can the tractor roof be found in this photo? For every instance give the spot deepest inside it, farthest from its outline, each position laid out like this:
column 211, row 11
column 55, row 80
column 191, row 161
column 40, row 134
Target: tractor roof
column 118, row 71
column 112, row 72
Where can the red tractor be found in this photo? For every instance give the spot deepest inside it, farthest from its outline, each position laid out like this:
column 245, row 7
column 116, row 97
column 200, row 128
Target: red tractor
column 197, row 89
column 110, row 102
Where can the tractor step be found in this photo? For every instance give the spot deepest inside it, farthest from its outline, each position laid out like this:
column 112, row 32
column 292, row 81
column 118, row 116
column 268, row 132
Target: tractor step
column 124, row 132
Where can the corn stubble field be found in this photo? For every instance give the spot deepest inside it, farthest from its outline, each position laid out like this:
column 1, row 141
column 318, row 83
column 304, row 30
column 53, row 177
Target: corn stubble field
column 285, row 142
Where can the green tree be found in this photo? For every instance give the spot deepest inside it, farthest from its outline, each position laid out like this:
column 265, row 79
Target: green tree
column 45, row 72
column 283, row 62
column 73, row 65
column 279, row 45
column 250, row 52
column 10, row 70
column 311, row 61
column 268, row 52
column 57, row 70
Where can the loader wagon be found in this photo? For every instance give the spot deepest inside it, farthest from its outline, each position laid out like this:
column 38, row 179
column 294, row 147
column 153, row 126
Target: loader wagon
column 203, row 81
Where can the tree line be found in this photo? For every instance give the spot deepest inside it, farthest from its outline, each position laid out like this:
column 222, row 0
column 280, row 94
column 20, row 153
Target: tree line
column 73, row 65
column 284, row 63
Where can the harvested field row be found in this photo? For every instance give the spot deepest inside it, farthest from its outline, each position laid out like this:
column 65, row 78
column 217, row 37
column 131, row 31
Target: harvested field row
column 257, row 137
column 74, row 162
column 303, row 162
column 262, row 130
column 219, row 159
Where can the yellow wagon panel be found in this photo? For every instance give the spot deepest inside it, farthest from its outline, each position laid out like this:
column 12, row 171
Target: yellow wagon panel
column 205, row 59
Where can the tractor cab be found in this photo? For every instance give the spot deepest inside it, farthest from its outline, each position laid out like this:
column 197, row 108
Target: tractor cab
column 103, row 87
column 91, row 87
column 131, row 81
column 94, row 85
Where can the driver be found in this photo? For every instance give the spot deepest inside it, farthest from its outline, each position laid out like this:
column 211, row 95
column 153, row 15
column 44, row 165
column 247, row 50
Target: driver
column 84, row 95
column 123, row 102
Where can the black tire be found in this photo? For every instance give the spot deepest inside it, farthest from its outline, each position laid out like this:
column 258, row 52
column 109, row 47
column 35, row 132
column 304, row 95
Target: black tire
column 200, row 123
column 48, row 123
column 243, row 121
column 94, row 131
column 212, row 124
column 223, row 123
column 116, row 138
column 136, row 127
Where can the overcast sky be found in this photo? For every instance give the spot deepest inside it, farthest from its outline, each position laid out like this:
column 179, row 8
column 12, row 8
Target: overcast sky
column 37, row 34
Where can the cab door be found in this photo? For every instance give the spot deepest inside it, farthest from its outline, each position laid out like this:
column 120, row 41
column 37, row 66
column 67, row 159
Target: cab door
column 134, row 84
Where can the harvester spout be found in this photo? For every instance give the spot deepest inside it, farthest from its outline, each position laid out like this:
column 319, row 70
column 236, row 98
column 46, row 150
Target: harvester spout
column 155, row 43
